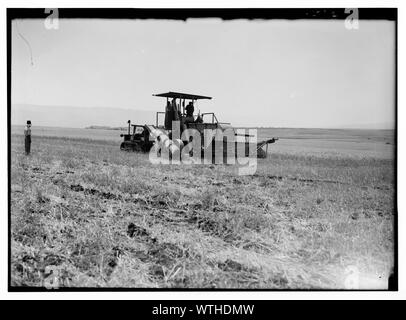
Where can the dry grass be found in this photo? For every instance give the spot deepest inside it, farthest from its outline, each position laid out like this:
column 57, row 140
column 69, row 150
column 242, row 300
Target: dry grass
column 105, row 218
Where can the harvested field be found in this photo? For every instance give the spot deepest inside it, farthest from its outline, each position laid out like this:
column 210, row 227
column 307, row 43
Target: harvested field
column 314, row 210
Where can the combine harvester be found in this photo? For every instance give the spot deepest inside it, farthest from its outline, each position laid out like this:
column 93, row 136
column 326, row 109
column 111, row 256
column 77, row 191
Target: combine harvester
column 143, row 137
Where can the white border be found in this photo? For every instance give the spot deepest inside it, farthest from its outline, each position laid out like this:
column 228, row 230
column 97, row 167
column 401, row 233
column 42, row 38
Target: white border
column 188, row 295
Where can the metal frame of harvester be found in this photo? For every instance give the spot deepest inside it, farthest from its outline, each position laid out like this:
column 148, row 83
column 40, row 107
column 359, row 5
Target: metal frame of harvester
column 141, row 137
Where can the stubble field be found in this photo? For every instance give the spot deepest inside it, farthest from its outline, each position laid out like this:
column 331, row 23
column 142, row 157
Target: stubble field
column 316, row 213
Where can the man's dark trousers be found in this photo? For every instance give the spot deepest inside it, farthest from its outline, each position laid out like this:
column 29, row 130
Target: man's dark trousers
column 27, row 144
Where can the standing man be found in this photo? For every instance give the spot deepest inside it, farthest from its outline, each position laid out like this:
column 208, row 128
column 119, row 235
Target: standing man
column 27, row 135
column 189, row 113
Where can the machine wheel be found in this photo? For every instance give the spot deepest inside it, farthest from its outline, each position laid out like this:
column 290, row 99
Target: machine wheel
column 261, row 154
column 123, row 146
column 128, row 146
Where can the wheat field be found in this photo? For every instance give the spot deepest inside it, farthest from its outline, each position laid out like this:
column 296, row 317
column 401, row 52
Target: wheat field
column 85, row 214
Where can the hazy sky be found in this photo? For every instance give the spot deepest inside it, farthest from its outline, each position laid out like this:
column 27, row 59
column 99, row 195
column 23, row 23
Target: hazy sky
column 301, row 73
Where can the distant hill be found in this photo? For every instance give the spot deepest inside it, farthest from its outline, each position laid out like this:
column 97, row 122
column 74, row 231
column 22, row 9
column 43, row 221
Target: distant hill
column 372, row 126
column 109, row 118
column 106, row 128
column 78, row 117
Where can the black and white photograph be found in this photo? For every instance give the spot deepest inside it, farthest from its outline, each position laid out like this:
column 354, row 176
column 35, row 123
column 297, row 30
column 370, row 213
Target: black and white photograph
column 197, row 149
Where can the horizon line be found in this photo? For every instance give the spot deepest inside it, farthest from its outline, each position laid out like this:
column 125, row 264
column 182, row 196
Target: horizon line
column 237, row 127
